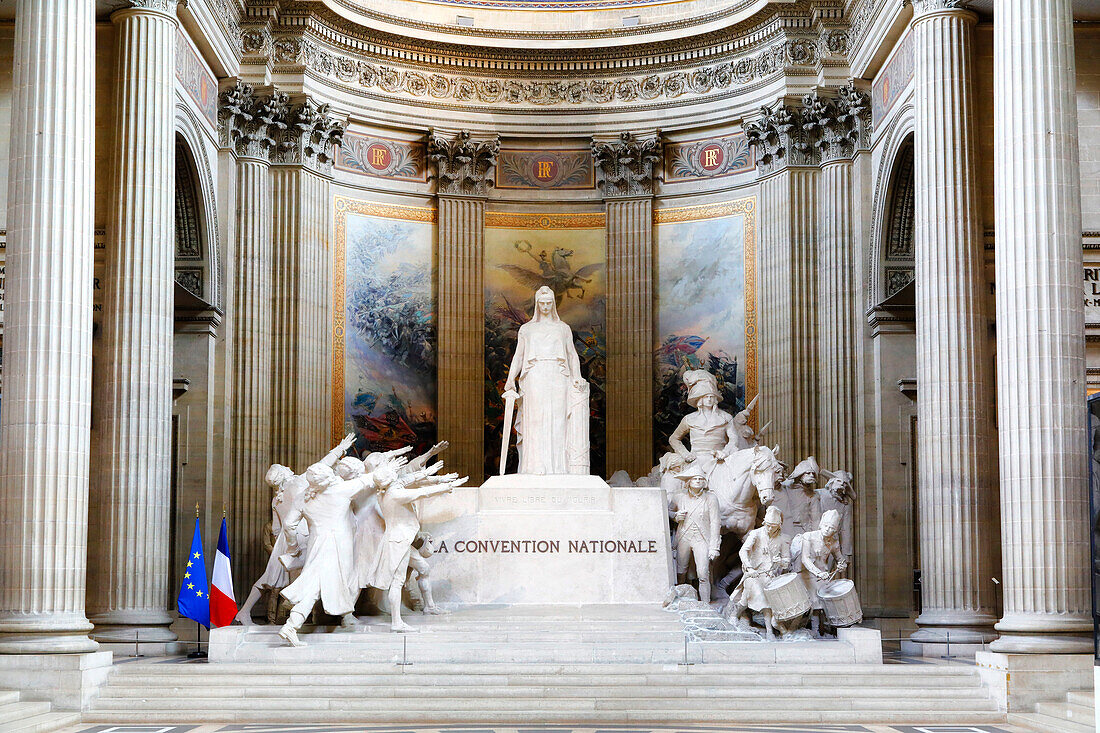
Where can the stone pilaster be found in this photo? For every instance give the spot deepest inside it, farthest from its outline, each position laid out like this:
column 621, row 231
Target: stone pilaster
column 843, row 124
column 301, row 233
column 46, row 421
column 955, row 493
column 625, row 171
column 1040, row 326
column 252, row 125
column 128, row 571
column 788, row 161
column 463, row 176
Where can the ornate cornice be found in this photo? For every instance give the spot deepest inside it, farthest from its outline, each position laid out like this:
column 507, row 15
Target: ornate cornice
column 545, row 92
column 626, row 167
column 462, row 165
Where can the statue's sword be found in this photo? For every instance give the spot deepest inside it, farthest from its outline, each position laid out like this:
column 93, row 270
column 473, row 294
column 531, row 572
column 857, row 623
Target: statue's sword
column 509, row 396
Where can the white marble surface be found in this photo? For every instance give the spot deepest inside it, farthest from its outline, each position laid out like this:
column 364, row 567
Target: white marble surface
column 522, row 539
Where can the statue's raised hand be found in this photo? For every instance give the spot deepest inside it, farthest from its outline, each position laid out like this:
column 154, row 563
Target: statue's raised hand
column 347, row 442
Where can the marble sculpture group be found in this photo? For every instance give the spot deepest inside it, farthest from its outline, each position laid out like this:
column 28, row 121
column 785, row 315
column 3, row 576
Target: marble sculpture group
column 345, row 524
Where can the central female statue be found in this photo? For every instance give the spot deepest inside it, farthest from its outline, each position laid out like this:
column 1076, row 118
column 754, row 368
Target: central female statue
column 552, row 408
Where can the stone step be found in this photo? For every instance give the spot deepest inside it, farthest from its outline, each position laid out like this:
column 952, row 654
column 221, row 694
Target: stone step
column 13, row 711
column 1049, row 724
column 184, row 704
column 759, row 716
column 680, row 691
column 789, row 680
column 596, row 670
column 7, row 696
column 44, row 723
column 1068, row 711
column 1083, row 697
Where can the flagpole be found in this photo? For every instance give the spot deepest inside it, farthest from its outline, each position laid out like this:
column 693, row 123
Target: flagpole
column 198, row 653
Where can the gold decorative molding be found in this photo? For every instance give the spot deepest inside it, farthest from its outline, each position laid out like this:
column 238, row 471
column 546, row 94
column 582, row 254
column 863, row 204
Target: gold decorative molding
column 746, row 208
column 344, row 206
column 537, row 220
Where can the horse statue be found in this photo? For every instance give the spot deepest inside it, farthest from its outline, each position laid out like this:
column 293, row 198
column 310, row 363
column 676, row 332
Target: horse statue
column 742, row 482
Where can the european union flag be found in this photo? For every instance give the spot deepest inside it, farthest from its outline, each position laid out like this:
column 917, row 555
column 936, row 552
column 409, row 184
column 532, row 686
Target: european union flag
column 194, row 597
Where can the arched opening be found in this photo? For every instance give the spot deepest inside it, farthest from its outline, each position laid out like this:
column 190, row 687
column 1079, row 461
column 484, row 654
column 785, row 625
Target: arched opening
column 196, row 322
column 894, row 370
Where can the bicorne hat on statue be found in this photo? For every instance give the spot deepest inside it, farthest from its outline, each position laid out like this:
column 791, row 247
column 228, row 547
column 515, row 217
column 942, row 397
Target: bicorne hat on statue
column 691, row 471
column 700, row 383
column 807, row 466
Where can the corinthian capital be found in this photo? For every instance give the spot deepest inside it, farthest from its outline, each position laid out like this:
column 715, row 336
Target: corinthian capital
column 252, row 124
column 165, row 6
column 462, row 165
column 838, row 126
column 783, row 136
column 627, row 166
column 310, row 136
column 929, row 6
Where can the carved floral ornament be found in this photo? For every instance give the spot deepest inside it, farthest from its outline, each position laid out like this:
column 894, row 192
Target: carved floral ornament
column 270, row 126
column 820, row 129
column 626, row 167
column 462, row 164
column 544, row 92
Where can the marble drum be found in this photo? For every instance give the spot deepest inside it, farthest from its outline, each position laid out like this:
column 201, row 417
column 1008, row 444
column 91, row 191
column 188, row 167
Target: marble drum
column 552, row 539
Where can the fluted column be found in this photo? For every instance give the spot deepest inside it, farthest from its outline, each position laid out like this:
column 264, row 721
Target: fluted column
column 462, row 172
column 250, row 126
column 625, row 177
column 786, row 265
column 845, row 125
column 1040, row 332
column 128, row 572
column 46, row 419
column 301, row 184
column 955, row 493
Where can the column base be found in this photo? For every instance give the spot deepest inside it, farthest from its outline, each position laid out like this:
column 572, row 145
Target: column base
column 45, row 634
column 1044, row 633
column 125, row 628
column 946, row 627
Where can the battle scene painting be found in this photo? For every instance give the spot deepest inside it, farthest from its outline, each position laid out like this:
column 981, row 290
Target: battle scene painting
column 572, row 262
column 389, row 332
column 701, row 311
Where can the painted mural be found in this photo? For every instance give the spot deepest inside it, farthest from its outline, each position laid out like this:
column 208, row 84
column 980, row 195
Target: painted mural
column 706, row 306
column 524, row 251
column 382, row 157
column 708, row 158
column 894, row 79
column 384, row 325
column 196, row 78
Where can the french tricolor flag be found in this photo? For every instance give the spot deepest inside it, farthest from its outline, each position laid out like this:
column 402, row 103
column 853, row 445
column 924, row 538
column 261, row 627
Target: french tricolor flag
column 222, row 606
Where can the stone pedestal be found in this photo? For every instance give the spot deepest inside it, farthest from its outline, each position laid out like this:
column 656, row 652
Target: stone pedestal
column 1018, row 681
column 522, row 539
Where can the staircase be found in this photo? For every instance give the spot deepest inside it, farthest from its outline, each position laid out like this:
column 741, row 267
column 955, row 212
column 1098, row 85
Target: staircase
column 19, row 716
column 1076, row 714
column 500, row 693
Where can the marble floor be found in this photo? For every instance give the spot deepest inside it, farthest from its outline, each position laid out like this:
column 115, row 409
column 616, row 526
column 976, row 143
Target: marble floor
column 301, row 728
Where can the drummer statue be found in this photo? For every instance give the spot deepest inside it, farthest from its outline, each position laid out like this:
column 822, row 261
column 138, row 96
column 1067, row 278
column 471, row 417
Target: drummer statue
column 765, row 554
column 699, row 528
column 821, row 562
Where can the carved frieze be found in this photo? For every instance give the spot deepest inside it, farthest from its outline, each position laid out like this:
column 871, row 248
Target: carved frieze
column 626, row 167
column 545, row 169
column 382, row 157
column 707, row 158
column 299, row 51
column 929, row 6
column 462, row 165
column 164, row 6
